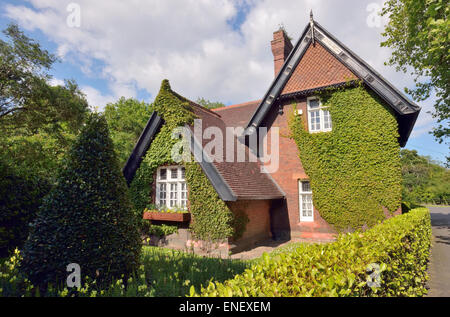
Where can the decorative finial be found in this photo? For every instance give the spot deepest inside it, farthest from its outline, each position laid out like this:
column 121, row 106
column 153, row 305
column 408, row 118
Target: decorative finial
column 311, row 24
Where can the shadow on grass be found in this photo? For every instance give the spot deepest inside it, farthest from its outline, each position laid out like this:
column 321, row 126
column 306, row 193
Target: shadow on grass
column 172, row 273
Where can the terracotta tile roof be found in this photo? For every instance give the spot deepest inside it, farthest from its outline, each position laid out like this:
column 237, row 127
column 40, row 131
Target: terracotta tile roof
column 317, row 68
column 244, row 178
column 237, row 115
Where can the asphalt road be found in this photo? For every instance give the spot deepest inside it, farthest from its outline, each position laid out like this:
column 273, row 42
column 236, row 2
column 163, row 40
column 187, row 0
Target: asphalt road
column 439, row 266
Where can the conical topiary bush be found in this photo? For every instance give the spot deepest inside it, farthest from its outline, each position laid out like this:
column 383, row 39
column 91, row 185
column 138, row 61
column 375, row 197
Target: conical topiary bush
column 87, row 217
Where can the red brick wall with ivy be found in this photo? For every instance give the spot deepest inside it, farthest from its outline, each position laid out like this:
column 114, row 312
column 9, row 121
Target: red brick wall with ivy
column 289, row 172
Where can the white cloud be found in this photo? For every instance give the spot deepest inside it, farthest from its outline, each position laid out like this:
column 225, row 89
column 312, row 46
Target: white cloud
column 96, row 99
column 56, row 82
column 135, row 44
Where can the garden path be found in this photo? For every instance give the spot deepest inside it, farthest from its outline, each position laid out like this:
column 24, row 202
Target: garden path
column 439, row 266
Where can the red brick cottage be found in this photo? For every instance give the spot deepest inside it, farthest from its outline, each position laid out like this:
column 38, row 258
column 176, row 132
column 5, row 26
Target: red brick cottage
column 278, row 204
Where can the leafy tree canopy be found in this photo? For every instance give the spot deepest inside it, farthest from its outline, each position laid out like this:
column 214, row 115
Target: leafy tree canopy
column 424, row 181
column 37, row 121
column 209, row 104
column 418, row 34
column 126, row 119
column 26, row 98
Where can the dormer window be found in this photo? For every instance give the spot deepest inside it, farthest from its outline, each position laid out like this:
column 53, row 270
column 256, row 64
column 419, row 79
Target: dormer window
column 319, row 119
column 171, row 188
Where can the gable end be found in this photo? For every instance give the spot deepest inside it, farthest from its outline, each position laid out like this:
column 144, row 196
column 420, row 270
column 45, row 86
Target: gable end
column 406, row 111
column 152, row 127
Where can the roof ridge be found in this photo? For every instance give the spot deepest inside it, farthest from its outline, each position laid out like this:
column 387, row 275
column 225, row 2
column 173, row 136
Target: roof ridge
column 247, row 103
column 196, row 104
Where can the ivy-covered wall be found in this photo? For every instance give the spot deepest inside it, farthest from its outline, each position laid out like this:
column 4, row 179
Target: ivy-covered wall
column 354, row 169
column 212, row 219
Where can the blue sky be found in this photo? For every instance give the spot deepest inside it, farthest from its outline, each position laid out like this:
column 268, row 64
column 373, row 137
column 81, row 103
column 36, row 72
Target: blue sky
column 218, row 49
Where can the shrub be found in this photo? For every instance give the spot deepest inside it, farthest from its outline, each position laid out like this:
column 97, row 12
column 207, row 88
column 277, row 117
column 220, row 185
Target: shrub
column 158, row 230
column 20, row 199
column 13, row 283
column 400, row 246
column 87, row 217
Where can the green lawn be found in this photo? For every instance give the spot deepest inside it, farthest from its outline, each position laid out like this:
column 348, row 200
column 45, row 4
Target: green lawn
column 171, row 272
column 163, row 272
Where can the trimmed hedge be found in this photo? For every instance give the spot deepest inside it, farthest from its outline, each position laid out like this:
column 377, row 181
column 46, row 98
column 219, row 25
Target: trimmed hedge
column 86, row 218
column 400, row 246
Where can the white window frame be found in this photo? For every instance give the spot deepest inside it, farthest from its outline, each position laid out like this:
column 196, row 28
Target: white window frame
column 179, row 181
column 301, row 196
column 321, row 110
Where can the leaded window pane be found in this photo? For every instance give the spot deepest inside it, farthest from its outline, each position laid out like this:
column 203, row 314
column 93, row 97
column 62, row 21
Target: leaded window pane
column 173, row 195
column 319, row 117
column 314, row 103
column 315, row 120
column 162, row 194
column 306, row 187
column 326, row 119
column 163, row 174
column 171, row 187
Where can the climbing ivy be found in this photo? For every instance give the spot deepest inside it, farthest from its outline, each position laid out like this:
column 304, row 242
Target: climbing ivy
column 354, row 169
column 240, row 219
column 212, row 219
column 157, row 155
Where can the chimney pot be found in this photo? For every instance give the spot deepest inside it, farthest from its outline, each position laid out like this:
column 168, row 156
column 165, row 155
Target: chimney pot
column 281, row 47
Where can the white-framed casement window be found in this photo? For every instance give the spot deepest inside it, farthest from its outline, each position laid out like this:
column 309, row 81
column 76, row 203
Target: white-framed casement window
column 319, row 119
column 171, row 188
column 305, row 201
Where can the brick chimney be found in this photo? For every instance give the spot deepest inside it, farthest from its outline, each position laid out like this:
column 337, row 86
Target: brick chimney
column 281, row 47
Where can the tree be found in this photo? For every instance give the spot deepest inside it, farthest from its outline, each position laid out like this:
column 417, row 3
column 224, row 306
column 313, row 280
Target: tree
column 418, row 33
column 20, row 199
column 86, row 218
column 424, row 181
column 209, row 104
column 26, row 98
column 126, row 119
column 23, row 71
column 38, row 121
column 35, row 144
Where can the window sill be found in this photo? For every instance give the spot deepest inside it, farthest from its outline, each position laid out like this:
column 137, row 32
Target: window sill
column 320, row 131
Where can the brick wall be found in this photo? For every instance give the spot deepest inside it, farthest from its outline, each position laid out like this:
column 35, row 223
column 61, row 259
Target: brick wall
column 281, row 47
column 258, row 227
column 289, row 173
column 317, row 68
